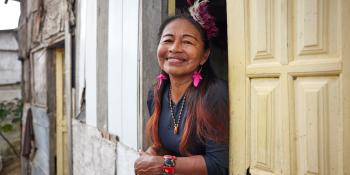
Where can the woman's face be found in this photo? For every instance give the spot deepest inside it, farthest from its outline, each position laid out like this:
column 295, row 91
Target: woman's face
column 181, row 49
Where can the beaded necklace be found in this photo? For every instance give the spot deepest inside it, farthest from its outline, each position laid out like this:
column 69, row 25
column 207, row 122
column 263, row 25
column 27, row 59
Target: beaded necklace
column 171, row 106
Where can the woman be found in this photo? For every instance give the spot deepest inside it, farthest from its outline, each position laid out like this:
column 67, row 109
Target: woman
column 189, row 107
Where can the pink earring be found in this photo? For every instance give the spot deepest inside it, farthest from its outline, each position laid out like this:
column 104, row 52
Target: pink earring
column 197, row 77
column 160, row 79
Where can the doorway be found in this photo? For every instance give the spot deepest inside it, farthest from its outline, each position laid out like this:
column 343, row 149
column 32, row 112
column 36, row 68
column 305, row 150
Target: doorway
column 218, row 54
column 61, row 121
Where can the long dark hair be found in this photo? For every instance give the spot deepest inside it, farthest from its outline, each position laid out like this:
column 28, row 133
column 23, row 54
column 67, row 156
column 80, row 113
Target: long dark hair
column 208, row 112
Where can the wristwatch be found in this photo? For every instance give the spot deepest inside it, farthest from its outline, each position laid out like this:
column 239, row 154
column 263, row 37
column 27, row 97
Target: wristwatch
column 169, row 164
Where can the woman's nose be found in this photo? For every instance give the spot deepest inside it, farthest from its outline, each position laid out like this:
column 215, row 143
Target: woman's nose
column 176, row 47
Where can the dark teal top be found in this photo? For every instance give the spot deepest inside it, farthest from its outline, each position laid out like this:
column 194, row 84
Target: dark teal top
column 215, row 154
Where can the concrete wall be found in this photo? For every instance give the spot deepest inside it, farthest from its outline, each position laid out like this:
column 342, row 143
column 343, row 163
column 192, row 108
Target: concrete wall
column 8, row 40
column 10, row 66
column 126, row 157
column 10, row 77
column 92, row 154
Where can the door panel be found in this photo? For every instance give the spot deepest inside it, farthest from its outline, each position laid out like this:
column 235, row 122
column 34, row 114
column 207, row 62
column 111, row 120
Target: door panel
column 311, row 26
column 265, row 104
column 317, row 125
column 286, row 83
column 316, row 26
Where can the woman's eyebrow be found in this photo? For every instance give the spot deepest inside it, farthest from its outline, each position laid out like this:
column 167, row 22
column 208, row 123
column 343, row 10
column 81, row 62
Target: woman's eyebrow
column 168, row 34
column 183, row 36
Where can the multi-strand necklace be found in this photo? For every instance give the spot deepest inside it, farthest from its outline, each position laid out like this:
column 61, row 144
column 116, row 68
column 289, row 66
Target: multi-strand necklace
column 171, row 106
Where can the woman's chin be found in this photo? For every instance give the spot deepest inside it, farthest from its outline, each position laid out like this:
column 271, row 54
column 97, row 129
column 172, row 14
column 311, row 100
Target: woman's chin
column 179, row 74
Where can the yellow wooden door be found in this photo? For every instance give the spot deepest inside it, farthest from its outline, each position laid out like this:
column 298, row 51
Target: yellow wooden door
column 61, row 126
column 289, row 78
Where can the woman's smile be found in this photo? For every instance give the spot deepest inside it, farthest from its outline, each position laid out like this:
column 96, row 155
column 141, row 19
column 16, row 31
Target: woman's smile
column 175, row 60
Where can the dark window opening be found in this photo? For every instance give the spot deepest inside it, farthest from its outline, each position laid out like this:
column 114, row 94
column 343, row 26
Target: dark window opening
column 218, row 56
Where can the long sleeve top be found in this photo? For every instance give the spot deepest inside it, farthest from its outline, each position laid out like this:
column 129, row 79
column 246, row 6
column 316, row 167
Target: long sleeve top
column 215, row 154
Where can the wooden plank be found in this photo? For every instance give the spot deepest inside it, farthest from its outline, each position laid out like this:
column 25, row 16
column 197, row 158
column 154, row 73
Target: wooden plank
column 68, row 96
column 345, row 76
column 90, row 56
column 115, row 68
column 130, row 72
column 102, row 64
column 237, row 83
column 60, row 122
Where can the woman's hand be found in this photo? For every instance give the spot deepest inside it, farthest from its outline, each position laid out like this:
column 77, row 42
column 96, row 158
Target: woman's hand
column 148, row 164
column 151, row 151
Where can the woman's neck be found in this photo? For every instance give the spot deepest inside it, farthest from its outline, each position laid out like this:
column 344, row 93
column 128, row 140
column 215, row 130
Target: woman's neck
column 179, row 87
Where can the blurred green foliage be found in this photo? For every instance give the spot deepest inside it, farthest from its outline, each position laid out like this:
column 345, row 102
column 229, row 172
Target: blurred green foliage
column 10, row 114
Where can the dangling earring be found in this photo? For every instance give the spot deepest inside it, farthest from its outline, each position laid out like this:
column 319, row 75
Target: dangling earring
column 160, row 79
column 197, row 77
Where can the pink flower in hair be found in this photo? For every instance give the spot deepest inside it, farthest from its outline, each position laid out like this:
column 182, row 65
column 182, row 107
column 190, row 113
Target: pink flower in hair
column 199, row 12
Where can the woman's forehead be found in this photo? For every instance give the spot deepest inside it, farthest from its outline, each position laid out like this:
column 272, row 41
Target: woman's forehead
column 180, row 27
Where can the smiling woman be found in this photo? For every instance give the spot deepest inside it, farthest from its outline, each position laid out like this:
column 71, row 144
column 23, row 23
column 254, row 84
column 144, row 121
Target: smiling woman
column 9, row 15
column 188, row 106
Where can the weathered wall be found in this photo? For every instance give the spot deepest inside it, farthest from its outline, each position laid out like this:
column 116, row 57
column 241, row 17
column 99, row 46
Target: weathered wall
column 41, row 162
column 10, row 77
column 41, row 29
column 95, row 154
column 8, row 41
column 92, row 154
column 10, row 66
column 90, row 149
column 125, row 159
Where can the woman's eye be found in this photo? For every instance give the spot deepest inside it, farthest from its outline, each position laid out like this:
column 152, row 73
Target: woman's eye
column 187, row 42
column 167, row 41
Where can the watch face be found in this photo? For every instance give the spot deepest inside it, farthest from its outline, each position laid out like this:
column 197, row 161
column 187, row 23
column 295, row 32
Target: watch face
column 169, row 162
